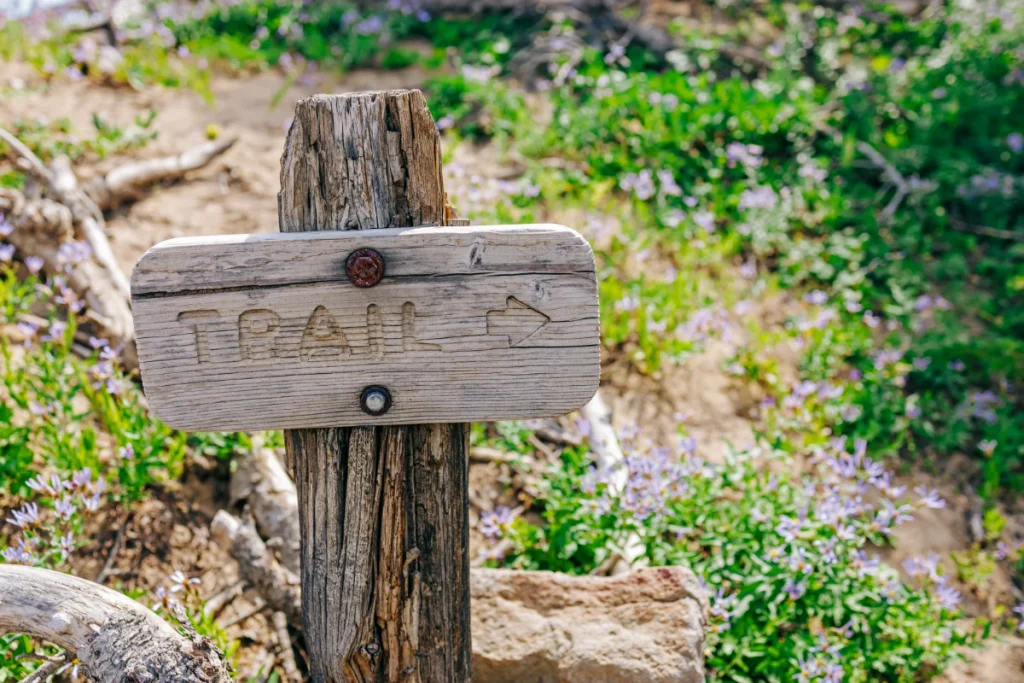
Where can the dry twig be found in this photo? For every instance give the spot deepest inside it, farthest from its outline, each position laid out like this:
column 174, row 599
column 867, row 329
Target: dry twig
column 114, row 550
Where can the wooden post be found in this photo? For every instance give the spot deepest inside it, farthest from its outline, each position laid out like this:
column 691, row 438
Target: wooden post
column 385, row 563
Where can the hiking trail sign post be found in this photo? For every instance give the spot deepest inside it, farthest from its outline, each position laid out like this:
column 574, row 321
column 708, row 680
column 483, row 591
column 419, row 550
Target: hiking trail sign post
column 372, row 330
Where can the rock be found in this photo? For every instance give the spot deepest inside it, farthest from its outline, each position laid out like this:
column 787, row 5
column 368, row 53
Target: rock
column 646, row 626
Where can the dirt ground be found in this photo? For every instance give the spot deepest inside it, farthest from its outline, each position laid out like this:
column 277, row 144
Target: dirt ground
column 237, row 193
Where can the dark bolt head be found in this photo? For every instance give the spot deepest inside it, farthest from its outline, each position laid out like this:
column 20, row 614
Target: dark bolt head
column 365, row 267
column 375, row 400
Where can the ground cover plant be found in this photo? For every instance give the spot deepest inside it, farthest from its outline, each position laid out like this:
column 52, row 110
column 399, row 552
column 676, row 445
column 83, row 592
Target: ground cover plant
column 862, row 165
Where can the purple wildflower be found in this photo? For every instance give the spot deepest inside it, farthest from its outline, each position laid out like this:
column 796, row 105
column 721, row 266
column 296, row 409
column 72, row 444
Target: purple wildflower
column 1019, row 611
column 746, row 155
column 930, row 498
column 34, row 264
column 26, row 516
column 948, row 596
column 705, row 219
column 1015, row 141
column 65, row 508
column 795, row 589
column 495, row 523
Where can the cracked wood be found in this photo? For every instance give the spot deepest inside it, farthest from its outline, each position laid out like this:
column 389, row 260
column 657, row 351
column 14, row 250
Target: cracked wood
column 383, row 510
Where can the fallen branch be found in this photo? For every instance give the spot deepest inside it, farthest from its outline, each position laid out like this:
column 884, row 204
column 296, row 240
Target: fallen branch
column 285, row 655
column 45, row 671
column 115, row 638
column 90, row 218
column 95, row 22
column 128, row 181
column 114, row 550
column 261, row 481
column 44, row 223
column 218, row 601
column 278, row 586
column 609, row 458
column 960, row 225
column 245, row 616
column 105, row 288
column 485, row 454
column 41, row 226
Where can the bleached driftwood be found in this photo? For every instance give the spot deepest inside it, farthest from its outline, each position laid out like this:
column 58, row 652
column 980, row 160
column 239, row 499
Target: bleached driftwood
column 262, row 482
column 41, row 226
column 608, row 457
column 115, row 638
column 257, row 565
column 285, row 655
column 43, row 223
column 101, row 283
column 129, row 180
column 90, row 219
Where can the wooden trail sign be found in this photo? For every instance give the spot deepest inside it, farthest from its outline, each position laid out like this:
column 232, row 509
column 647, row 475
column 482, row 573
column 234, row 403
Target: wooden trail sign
column 465, row 323
column 371, row 329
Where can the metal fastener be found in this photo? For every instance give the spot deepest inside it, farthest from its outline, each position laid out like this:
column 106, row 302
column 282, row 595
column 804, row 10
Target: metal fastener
column 375, row 400
column 365, row 267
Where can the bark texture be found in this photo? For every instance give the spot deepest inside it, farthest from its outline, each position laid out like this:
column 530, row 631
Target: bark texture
column 116, row 639
column 383, row 510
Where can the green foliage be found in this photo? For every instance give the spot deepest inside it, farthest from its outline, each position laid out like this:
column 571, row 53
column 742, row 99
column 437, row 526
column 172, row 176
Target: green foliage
column 58, row 405
column 59, row 55
column 916, row 257
column 57, row 138
column 785, row 555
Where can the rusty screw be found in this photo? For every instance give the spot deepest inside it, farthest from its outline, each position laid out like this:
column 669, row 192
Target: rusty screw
column 365, row 267
column 375, row 400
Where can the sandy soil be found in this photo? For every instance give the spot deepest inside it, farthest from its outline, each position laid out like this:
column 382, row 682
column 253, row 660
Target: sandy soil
column 237, row 193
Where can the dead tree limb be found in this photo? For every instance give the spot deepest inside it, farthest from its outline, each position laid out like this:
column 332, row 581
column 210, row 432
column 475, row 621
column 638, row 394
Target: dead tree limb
column 609, row 459
column 45, row 671
column 285, row 655
column 128, row 181
column 41, row 226
column 102, row 284
column 278, row 586
column 90, row 219
column 262, row 482
column 115, row 638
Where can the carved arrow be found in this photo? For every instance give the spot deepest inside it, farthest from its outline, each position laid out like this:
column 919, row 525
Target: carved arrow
column 518, row 321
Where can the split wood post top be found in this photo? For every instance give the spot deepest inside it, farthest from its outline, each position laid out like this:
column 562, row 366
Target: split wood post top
column 385, row 538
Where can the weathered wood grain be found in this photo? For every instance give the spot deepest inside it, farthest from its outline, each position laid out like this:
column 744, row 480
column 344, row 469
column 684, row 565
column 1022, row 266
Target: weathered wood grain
column 115, row 638
column 464, row 326
column 384, row 510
